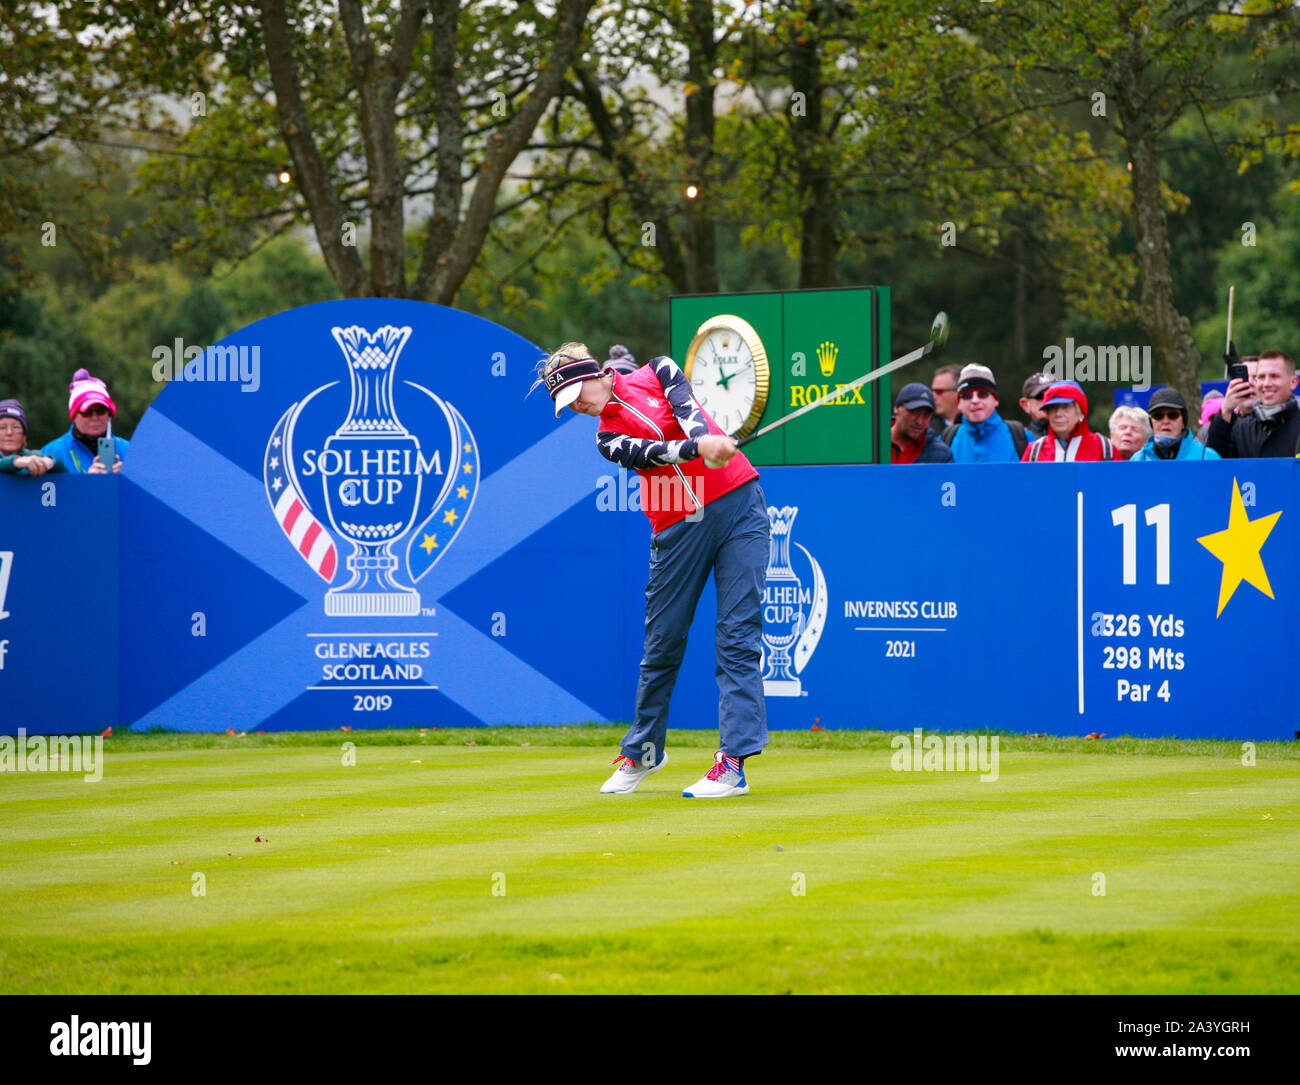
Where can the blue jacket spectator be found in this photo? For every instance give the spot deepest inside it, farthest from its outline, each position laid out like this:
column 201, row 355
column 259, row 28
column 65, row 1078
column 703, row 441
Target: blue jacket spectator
column 90, row 407
column 982, row 435
column 1171, row 438
column 1185, row 447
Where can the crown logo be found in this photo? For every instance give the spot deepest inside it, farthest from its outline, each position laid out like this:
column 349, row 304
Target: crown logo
column 827, row 353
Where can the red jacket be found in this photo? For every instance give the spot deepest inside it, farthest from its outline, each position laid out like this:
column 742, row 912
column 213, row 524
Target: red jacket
column 662, row 447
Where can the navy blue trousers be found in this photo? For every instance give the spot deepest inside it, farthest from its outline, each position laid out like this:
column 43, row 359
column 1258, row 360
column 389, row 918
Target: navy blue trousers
column 730, row 540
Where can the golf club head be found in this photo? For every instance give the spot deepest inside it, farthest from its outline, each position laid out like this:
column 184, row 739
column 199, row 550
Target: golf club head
column 939, row 330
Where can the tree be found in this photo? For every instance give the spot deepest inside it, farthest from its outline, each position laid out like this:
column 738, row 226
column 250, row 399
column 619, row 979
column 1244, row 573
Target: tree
column 57, row 91
column 371, row 113
column 1142, row 66
column 1266, row 273
column 635, row 127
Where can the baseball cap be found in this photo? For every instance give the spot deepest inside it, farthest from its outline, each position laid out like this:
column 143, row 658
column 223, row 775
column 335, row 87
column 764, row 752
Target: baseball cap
column 1034, row 386
column 914, row 395
column 1065, row 392
column 85, row 391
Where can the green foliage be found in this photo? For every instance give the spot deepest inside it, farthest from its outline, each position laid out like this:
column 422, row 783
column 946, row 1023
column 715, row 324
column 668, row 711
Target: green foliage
column 284, row 274
column 573, row 289
column 1267, row 278
column 919, row 125
column 46, row 335
column 59, row 85
column 38, row 354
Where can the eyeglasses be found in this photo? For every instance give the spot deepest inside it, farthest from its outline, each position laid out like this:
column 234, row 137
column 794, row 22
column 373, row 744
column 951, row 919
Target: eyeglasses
column 97, row 409
column 942, row 391
column 976, row 393
column 12, row 427
column 1160, row 416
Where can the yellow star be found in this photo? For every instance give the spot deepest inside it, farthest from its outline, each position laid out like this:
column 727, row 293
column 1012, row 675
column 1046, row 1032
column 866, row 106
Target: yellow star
column 449, row 517
column 468, row 447
column 430, row 544
column 462, row 492
column 468, row 469
column 1238, row 547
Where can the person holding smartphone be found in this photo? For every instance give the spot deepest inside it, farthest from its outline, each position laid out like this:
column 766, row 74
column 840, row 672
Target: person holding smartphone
column 1272, row 426
column 89, row 447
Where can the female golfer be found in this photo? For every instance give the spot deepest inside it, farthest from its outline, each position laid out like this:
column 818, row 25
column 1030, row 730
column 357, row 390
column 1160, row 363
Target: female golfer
column 705, row 519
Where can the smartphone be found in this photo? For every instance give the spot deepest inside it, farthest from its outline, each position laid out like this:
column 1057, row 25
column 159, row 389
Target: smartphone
column 1238, row 372
column 108, row 451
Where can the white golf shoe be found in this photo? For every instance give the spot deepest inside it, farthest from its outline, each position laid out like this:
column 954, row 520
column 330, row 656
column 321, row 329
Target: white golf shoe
column 629, row 774
column 726, row 778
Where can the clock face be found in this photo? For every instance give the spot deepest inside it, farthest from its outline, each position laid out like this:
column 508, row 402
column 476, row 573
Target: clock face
column 727, row 367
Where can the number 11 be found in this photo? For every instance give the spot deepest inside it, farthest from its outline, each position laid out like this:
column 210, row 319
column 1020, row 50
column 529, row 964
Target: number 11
column 1158, row 517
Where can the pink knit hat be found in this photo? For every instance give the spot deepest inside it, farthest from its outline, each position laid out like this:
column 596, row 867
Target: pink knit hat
column 85, row 391
column 1211, row 405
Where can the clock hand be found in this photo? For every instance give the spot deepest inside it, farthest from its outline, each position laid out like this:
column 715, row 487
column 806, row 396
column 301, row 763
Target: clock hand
column 723, row 380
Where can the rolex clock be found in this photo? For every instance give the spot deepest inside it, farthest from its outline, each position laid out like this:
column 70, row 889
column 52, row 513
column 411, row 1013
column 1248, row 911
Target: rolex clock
column 727, row 367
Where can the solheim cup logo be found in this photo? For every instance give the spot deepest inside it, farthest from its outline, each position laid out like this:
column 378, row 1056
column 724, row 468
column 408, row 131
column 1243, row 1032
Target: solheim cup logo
column 793, row 616
column 372, row 479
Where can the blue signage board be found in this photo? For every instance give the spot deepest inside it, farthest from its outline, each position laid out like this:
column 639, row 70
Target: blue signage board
column 351, row 515
column 1129, row 598
column 59, row 645
column 379, row 530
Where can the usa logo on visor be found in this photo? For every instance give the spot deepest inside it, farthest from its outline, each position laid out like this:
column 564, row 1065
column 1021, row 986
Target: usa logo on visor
column 579, row 369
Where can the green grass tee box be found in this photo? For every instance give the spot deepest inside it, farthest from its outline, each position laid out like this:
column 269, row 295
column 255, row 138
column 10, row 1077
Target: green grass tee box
column 486, row 861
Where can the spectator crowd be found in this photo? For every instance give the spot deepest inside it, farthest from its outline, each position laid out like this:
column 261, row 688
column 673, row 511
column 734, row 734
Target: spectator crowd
column 87, row 448
column 958, row 419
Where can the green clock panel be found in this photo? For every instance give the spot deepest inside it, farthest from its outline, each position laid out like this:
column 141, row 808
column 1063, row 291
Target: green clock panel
column 815, row 340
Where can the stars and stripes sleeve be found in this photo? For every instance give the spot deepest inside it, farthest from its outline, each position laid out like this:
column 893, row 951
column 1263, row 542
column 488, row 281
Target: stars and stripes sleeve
column 638, row 453
column 677, row 390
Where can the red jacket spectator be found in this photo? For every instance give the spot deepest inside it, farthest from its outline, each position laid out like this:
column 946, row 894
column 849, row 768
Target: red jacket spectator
column 1068, row 437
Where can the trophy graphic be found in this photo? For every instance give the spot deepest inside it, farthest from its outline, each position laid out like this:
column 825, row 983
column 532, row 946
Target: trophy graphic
column 372, row 500
column 783, row 611
column 366, row 483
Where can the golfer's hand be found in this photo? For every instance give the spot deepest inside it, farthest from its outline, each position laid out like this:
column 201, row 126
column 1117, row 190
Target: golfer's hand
column 716, row 449
column 1239, row 394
